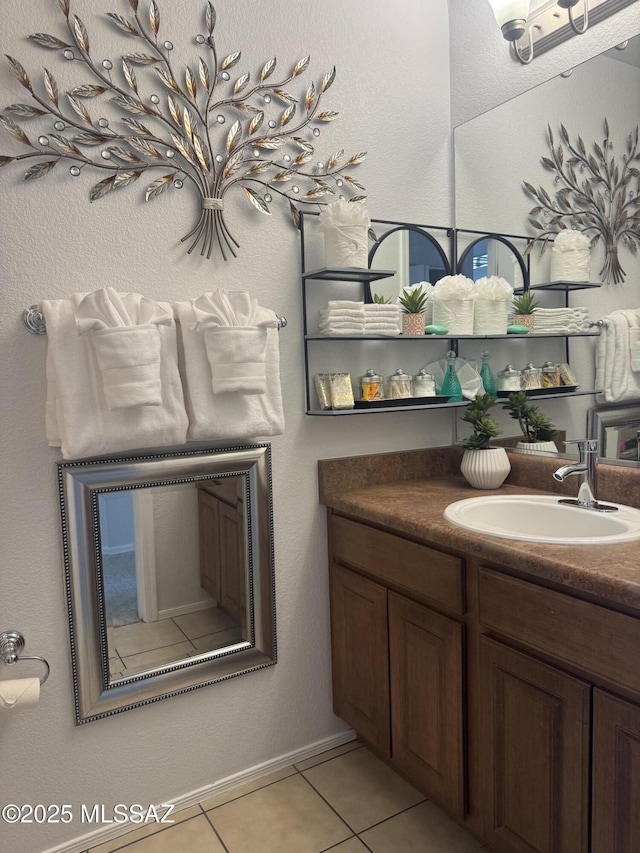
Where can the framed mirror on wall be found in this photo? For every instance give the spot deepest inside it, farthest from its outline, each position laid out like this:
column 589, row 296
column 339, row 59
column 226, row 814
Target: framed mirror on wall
column 618, row 432
column 493, row 255
column 169, row 572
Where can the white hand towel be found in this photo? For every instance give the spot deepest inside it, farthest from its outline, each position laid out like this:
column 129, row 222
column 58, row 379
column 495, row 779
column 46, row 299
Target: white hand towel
column 613, row 361
column 83, row 424
column 232, row 416
column 344, row 304
column 343, row 314
column 342, row 330
column 632, row 316
column 235, row 337
column 125, row 336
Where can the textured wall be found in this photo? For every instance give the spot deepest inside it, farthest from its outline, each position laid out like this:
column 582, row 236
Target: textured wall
column 392, row 91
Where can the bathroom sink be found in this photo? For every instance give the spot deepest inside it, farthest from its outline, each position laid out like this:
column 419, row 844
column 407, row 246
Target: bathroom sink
column 540, row 518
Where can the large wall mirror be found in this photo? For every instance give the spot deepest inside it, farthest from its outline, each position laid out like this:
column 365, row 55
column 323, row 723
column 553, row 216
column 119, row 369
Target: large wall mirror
column 498, row 150
column 170, row 573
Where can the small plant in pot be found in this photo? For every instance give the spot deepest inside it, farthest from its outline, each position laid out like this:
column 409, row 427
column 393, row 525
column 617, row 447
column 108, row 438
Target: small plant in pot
column 537, row 429
column 523, row 306
column 413, row 301
column 483, row 466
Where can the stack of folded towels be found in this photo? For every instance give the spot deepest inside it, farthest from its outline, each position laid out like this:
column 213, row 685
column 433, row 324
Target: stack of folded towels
column 342, row 317
column 381, row 319
column 560, row 320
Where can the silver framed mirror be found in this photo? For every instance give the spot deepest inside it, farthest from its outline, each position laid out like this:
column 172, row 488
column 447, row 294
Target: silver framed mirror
column 169, row 570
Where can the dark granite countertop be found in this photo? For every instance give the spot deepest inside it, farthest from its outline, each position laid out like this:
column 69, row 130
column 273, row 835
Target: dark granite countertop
column 414, row 487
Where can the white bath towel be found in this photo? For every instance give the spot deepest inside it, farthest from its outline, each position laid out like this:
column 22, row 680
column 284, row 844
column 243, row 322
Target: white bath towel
column 614, row 375
column 78, row 418
column 632, row 316
column 227, row 416
column 234, row 328
column 124, row 333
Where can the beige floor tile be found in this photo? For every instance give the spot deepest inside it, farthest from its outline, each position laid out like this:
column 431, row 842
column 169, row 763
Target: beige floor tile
column 157, row 657
column 144, row 831
column 218, row 640
column 143, row 636
column 362, row 789
column 115, row 667
column 203, row 622
column 353, row 845
column 192, row 836
column 422, row 829
column 286, row 817
column 328, row 755
column 241, row 790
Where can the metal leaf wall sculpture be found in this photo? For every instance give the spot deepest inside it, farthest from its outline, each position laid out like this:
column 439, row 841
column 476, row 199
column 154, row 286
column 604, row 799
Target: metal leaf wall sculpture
column 598, row 195
column 254, row 134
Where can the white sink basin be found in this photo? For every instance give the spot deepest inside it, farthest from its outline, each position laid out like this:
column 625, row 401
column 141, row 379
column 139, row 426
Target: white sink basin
column 540, row 518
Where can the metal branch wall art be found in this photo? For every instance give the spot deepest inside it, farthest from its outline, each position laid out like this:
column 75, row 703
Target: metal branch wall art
column 599, row 195
column 208, row 130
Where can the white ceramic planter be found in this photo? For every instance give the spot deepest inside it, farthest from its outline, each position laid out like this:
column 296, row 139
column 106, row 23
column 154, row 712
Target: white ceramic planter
column 485, row 469
column 536, row 447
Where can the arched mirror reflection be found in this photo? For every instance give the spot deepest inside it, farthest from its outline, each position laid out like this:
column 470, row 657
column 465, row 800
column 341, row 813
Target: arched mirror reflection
column 493, row 254
column 170, row 576
column 413, row 253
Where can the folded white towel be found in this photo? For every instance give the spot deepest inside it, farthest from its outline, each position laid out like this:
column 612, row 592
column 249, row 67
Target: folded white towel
column 346, row 304
column 343, row 314
column 342, row 330
column 387, row 331
column 77, row 415
column 228, row 416
column 125, row 336
column 381, row 309
column 342, row 321
column 235, row 337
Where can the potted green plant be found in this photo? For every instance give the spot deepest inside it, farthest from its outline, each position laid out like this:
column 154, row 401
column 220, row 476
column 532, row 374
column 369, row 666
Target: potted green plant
column 483, row 466
column 537, row 429
column 379, row 299
column 413, row 301
column 523, row 306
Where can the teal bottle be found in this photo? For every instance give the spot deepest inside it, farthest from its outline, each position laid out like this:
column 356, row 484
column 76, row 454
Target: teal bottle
column 451, row 387
column 488, row 379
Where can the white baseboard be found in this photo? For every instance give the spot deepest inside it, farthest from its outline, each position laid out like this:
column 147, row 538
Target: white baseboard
column 184, row 609
column 108, row 833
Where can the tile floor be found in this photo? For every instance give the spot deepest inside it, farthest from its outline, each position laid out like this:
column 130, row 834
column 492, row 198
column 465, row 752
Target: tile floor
column 134, row 648
column 345, row 800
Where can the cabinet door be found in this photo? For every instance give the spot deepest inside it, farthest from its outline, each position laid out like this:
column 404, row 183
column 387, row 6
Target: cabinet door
column 616, row 775
column 360, row 655
column 426, row 699
column 535, row 740
column 232, row 563
column 208, row 526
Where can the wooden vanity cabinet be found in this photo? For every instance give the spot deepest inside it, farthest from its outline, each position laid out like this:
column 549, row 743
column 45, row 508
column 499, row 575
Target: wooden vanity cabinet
column 222, row 557
column 397, row 663
column 513, row 705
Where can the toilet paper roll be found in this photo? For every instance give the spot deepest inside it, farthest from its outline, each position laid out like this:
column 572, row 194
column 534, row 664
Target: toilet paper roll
column 19, row 693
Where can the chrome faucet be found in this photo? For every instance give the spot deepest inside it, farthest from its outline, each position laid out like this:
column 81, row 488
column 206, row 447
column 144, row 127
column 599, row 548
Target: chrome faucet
column 587, row 467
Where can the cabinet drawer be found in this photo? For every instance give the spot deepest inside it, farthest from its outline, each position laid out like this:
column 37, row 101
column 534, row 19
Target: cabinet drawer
column 593, row 638
column 421, row 570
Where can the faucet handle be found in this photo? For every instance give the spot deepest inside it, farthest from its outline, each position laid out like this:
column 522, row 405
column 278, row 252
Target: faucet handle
column 585, row 445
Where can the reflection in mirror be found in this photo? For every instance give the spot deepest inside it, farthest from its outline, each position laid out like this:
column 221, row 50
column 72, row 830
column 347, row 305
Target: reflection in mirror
column 413, row 253
column 494, row 255
column 618, row 433
column 160, row 554
column 495, row 152
column 169, row 563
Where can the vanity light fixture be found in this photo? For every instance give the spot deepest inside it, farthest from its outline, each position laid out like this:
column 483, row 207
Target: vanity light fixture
column 548, row 24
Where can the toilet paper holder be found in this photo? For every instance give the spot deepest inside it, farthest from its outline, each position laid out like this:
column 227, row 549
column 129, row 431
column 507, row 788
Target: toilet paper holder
column 11, row 644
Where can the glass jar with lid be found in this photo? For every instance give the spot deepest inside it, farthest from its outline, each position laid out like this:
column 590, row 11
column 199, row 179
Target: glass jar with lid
column 398, row 385
column 371, row 386
column 424, row 384
column 531, row 378
column 508, row 379
column 550, row 375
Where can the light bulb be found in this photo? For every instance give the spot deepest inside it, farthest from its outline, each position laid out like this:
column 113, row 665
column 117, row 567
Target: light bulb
column 511, row 16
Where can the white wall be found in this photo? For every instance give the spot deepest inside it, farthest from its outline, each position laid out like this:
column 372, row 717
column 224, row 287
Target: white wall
column 392, row 91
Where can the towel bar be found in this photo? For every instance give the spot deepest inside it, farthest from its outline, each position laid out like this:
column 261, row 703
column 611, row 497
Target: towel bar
column 33, row 319
column 12, row 643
